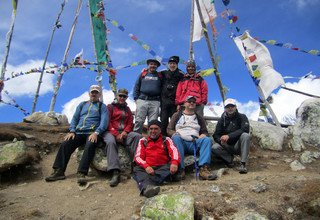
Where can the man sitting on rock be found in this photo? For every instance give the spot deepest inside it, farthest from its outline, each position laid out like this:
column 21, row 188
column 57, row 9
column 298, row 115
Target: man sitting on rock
column 119, row 131
column 232, row 136
column 156, row 158
column 88, row 122
column 189, row 131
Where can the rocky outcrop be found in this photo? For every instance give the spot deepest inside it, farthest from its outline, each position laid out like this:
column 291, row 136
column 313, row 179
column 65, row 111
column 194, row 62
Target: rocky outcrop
column 48, row 118
column 306, row 132
column 169, row 206
column 13, row 154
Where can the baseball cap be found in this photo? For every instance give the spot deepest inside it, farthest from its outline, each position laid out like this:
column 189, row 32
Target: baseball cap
column 95, row 88
column 123, row 92
column 229, row 102
column 190, row 97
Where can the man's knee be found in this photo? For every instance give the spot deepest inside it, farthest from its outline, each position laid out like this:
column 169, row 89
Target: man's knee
column 215, row 146
column 245, row 136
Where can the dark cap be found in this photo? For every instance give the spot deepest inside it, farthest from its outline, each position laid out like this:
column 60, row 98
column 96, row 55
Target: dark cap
column 154, row 122
column 191, row 63
column 123, row 92
column 190, row 97
column 154, row 61
column 174, row 59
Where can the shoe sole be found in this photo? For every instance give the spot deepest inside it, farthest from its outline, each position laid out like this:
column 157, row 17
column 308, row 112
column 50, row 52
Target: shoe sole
column 152, row 192
column 55, row 179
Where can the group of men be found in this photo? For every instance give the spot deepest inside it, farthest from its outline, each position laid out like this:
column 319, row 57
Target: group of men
column 158, row 157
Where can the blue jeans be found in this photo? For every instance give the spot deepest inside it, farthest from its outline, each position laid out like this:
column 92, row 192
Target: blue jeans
column 187, row 147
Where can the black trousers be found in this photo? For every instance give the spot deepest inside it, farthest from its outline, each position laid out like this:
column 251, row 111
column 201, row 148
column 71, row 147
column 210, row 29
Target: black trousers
column 144, row 179
column 68, row 147
column 167, row 110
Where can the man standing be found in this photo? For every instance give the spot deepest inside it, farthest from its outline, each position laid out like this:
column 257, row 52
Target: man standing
column 171, row 77
column 189, row 131
column 146, row 93
column 157, row 160
column 232, row 136
column 88, row 122
column 119, row 131
column 193, row 85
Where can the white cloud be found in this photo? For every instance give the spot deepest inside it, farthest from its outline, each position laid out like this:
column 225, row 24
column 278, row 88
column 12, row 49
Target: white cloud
column 152, row 6
column 27, row 84
column 302, row 4
column 122, row 50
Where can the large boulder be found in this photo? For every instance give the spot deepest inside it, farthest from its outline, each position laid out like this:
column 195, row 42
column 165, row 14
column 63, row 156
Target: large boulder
column 48, row 118
column 13, row 154
column 169, row 206
column 306, row 132
column 100, row 160
column 267, row 136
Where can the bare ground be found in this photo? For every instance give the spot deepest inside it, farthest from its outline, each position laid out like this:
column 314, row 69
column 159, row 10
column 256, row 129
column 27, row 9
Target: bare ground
column 25, row 195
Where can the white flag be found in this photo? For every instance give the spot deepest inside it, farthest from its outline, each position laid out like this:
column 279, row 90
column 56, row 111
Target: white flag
column 208, row 12
column 259, row 63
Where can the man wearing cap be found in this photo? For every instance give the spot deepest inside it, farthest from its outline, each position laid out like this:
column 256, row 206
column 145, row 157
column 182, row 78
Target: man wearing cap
column 119, row 131
column 189, row 132
column 88, row 122
column 157, row 160
column 146, row 93
column 171, row 77
column 193, row 84
column 232, row 136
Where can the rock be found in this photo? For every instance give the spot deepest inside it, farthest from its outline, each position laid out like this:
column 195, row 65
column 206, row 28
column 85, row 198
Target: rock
column 296, row 165
column 306, row 132
column 308, row 157
column 260, row 187
column 100, row 160
column 13, row 154
column 169, row 206
column 221, row 172
column 290, row 210
column 214, row 189
column 314, row 206
column 267, row 136
column 248, row 215
column 49, row 118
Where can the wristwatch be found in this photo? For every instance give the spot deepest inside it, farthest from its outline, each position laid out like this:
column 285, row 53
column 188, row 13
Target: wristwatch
column 97, row 133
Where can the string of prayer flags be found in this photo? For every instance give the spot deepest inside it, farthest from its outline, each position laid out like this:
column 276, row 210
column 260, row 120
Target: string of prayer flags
column 13, row 103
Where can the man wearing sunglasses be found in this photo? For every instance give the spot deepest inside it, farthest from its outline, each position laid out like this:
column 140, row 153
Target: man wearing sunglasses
column 232, row 136
column 88, row 122
column 189, row 133
column 119, row 131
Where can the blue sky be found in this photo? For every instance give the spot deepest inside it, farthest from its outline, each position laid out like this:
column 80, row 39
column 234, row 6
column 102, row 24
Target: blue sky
column 164, row 25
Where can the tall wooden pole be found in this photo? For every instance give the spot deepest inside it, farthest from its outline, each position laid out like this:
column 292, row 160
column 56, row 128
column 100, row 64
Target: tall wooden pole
column 9, row 38
column 46, row 57
column 191, row 31
column 66, row 52
column 216, row 73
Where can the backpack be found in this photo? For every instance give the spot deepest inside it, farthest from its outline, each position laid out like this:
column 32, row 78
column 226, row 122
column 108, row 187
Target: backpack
column 83, row 103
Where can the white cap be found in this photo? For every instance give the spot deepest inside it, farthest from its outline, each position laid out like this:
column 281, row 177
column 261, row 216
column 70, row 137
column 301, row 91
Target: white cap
column 95, row 88
column 230, row 102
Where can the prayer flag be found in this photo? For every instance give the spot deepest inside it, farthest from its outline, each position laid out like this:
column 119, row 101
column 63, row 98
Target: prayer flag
column 259, row 63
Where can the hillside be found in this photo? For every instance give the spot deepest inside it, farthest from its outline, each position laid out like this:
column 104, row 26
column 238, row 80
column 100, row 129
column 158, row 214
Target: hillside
column 280, row 192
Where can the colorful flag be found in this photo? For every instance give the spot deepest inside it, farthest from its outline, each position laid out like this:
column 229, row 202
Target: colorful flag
column 259, row 63
column 208, row 12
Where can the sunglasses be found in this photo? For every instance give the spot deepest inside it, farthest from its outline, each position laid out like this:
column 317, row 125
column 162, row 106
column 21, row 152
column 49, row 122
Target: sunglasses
column 123, row 96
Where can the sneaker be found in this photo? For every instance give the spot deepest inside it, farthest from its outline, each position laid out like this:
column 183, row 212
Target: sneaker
column 115, row 179
column 206, row 174
column 151, row 191
column 242, row 169
column 82, row 179
column 58, row 174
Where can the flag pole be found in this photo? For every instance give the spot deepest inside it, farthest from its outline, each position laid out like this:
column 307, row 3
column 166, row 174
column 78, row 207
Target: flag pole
column 56, row 25
column 9, row 38
column 66, row 52
column 297, row 91
column 191, row 31
column 216, row 73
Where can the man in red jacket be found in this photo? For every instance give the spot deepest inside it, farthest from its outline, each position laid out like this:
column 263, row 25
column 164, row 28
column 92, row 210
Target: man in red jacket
column 119, row 131
column 192, row 84
column 157, row 159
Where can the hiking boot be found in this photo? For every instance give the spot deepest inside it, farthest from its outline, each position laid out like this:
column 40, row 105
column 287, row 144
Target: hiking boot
column 58, row 174
column 242, row 169
column 115, row 179
column 81, row 179
column 206, row 174
column 151, row 191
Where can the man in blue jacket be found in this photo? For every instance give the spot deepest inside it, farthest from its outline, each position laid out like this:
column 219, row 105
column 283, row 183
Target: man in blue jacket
column 232, row 136
column 88, row 122
column 146, row 93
